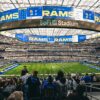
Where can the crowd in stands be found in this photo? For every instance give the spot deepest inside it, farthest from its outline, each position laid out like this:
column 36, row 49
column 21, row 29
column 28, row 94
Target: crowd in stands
column 32, row 87
column 6, row 39
column 93, row 40
column 26, row 52
column 5, row 62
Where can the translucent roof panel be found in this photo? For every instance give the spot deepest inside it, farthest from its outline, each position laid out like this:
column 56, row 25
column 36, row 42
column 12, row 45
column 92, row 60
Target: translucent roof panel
column 82, row 4
column 50, row 32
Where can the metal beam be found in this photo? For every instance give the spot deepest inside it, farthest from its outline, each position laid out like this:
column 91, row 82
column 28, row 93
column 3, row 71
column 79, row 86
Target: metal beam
column 13, row 3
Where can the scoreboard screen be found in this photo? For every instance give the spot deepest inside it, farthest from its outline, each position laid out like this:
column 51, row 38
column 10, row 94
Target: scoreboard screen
column 49, row 16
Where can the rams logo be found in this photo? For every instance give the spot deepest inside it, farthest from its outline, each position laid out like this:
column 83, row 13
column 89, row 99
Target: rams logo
column 57, row 13
column 97, row 19
column 31, row 12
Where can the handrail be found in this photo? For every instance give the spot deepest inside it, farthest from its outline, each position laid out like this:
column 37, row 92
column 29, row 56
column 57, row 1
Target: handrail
column 95, row 83
column 91, row 87
column 92, row 97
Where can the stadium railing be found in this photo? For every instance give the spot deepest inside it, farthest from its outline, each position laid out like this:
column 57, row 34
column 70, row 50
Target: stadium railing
column 93, row 91
column 91, row 97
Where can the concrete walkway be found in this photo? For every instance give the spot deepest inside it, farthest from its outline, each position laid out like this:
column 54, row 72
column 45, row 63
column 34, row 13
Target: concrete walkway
column 94, row 95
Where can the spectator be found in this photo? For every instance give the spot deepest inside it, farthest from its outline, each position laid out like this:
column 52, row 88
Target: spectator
column 24, row 78
column 1, row 96
column 33, row 83
column 93, row 77
column 1, row 90
column 24, row 71
column 49, row 89
column 77, row 79
column 86, row 78
column 71, row 83
column 19, row 84
column 17, row 95
column 24, row 85
column 9, row 88
column 63, row 86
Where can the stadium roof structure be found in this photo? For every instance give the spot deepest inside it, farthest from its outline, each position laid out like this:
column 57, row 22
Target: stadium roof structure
column 93, row 5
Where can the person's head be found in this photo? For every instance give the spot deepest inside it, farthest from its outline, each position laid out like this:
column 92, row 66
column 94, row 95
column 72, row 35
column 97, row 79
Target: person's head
column 24, row 71
column 69, row 76
column 50, row 79
column 86, row 74
column 60, row 73
column 35, row 73
column 63, row 80
column 11, row 81
column 80, row 89
column 92, row 74
column 17, row 95
column 25, row 67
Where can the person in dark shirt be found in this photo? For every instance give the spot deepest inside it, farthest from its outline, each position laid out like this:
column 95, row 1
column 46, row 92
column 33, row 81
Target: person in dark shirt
column 33, row 83
column 78, row 94
column 24, row 71
column 49, row 89
column 60, row 75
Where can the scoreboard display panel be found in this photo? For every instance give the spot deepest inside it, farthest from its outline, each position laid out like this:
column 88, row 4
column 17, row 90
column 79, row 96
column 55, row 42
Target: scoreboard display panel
column 49, row 16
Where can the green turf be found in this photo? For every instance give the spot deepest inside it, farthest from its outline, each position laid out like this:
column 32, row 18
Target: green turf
column 52, row 68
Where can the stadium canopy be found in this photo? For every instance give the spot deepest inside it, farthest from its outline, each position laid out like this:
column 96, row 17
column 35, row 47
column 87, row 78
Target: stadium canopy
column 93, row 5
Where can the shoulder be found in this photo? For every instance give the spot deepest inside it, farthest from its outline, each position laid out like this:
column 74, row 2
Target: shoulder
column 86, row 98
column 71, row 95
column 29, row 78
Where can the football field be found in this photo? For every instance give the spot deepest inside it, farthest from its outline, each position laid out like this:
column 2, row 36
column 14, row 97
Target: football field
column 53, row 68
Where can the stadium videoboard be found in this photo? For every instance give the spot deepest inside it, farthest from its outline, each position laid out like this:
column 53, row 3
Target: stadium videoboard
column 49, row 16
